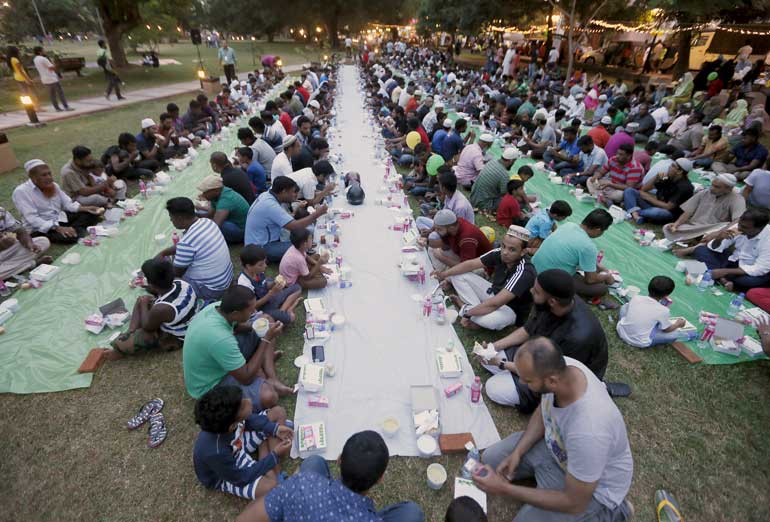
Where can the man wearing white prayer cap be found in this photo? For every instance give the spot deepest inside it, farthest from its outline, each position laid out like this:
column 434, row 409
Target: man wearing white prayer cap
column 471, row 160
column 47, row 211
column 708, row 211
column 506, row 299
column 492, row 183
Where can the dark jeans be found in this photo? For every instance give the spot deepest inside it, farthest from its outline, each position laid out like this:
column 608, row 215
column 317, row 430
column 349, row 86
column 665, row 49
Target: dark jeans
column 57, row 94
column 144, row 169
column 113, row 82
column 80, row 221
column 716, row 260
column 232, row 232
column 647, row 211
column 230, row 73
column 401, row 512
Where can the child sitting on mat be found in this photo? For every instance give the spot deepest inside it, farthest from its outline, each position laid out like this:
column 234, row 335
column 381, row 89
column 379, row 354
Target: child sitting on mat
column 274, row 298
column 230, row 433
column 645, row 321
column 509, row 211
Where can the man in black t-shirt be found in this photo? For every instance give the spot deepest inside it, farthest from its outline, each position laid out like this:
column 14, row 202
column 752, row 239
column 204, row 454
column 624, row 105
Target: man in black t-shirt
column 506, row 299
column 232, row 177
column 562, row 317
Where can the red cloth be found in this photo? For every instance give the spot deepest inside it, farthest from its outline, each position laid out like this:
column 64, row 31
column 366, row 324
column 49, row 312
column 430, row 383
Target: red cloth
column 715, row 87
column 285, row 119
column 303, row 92
column 600, row 136
column 424, row 137
column 508, row 210
column 469, row 242
column 411, row 105
column 760, row 297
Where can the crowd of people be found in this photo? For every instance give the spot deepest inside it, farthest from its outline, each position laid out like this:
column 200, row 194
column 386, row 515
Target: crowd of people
column 634, row 148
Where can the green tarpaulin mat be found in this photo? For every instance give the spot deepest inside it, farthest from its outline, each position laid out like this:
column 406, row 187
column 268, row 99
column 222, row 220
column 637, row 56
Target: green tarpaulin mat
column 637, row 264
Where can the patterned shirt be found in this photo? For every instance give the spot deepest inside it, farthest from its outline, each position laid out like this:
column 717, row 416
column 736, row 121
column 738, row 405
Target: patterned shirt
column 311, row 496
column 629, row 174
column 203, row 251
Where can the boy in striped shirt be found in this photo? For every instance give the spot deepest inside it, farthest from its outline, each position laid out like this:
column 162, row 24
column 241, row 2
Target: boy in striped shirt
column 201, row 257
column 624, row 172
column 230, row 433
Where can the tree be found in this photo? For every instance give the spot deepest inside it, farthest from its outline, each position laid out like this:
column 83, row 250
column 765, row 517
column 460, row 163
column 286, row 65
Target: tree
column 248, row 17
column 19, row 20
column 355, row 14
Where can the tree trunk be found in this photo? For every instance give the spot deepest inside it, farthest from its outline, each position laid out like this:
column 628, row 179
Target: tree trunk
column 332, row 24
column 683, row 59
column 113, row 33
column 570, row 44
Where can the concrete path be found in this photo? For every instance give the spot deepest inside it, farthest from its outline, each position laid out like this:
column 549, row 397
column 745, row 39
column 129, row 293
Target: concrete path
column 12, row 119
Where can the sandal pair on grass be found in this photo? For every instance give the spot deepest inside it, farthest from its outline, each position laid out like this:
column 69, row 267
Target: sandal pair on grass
column 151, row 412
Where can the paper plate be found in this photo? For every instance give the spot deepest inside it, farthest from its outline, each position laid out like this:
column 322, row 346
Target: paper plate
column 301, row 361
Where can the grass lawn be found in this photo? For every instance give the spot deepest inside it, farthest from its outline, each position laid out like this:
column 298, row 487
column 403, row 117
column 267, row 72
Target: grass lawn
column 696, row 431
column 137, row 77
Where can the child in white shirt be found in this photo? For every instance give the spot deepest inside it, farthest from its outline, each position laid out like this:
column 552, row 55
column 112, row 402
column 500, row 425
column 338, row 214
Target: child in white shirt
column 645, row 321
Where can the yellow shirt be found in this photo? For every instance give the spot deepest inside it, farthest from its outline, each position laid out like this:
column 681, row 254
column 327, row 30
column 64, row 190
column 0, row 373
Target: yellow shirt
column 18, row 70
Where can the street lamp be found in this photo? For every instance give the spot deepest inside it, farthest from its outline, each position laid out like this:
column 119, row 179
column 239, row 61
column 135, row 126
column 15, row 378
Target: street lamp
column 29, row 107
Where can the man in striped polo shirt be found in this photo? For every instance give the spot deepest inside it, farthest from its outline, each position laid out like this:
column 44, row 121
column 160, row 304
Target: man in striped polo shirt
column 624, row 172
column 159, row 320
column 201, row 257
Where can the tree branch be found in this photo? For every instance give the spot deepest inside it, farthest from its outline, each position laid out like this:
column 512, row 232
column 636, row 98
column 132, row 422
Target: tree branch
column 596, row 11
column 559, row 8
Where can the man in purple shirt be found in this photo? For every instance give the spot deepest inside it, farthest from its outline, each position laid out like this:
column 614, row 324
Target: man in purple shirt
column 452, row 199
column 620, row 137
column 471, row 160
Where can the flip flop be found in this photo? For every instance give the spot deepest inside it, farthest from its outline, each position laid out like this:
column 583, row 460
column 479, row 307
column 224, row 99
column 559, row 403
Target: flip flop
column 608, row 303
column 151, row 408
column 666, row 507
column 618, row 389
column 157, row 431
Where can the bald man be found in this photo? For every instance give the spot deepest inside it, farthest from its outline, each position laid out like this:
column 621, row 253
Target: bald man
column 575, row 445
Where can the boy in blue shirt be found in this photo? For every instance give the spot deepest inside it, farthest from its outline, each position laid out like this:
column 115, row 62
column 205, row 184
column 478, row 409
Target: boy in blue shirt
column 254, row 170
column 273, row 297
column 541, row 224
column 230, row 433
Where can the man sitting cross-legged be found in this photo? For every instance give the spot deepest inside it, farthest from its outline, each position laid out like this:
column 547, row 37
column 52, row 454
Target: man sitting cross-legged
column 504, row 301
column 313, row 494
column 159, row 320
column 575, row 446
column 222, row 348
column 230, row 432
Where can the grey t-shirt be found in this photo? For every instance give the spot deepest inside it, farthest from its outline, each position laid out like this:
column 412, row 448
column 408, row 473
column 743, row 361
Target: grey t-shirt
column 759, row 180
column 588, row 439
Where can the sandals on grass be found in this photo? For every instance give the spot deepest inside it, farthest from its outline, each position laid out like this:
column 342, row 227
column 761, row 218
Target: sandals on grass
column 149, row 409
column 157, row 430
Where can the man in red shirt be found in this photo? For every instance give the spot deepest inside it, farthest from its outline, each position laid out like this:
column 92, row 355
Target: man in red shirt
column 600, row 134
column 624, row 172
column 413, row 103
column 302, row 91
column 423, row 136
column 460, row 241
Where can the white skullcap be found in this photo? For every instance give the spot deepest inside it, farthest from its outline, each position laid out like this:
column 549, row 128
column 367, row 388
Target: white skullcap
column 684, row 164
column 147, row 123
column 727, row 178
column 518, row 232
column 314, row 104
column 31, row 164
column 448, row 123
column 606, row 120
column 602, row 97
column 510, row 153
column 289, row 140
column 487, row 138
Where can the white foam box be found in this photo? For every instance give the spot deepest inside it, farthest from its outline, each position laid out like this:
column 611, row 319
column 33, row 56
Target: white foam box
column 314, row 306
column 311, row 377
column 44, row 272
column 752, row 347
column 311, row 438
column 449, row 364
column 726, row 347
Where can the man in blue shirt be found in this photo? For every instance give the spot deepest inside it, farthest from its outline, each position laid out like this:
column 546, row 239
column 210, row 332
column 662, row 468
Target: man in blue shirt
column 746, row 156
column 313, row 494
column 454, row 142
column 567, row 155
column 227, row 61
column 253, row 169
column 439, row 137
column 267, row 218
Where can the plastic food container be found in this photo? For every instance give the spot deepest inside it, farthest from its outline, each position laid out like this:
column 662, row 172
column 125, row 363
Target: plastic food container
column 426, row 446
column 436, row 476
column 390, row 427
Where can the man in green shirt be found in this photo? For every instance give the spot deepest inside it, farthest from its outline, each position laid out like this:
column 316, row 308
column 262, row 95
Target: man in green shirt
column 220, row 347
column 570, row 248
column 104, row 60
column 226, row 208
column 491, row 185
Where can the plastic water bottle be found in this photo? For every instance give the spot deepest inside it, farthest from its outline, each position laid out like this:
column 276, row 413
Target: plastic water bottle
column 705, row 282
column 476, row 390
column 735, row 305
column 142, row 188
column 4, row 290
column 175, row 238
column 473, row 454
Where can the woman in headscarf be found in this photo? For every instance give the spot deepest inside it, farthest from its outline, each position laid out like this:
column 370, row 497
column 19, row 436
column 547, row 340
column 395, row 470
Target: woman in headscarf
column 683, row 91
column 735, row 117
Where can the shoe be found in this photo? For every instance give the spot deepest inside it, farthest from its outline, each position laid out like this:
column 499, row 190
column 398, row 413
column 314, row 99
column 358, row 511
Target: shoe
column 59, row 110
column 121, row 97
column 157, row 432
column 149, row 409
column 68, row 109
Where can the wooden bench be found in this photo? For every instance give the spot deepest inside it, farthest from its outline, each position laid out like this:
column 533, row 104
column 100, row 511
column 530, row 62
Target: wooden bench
column 65, row 64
